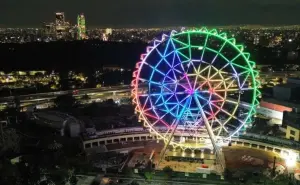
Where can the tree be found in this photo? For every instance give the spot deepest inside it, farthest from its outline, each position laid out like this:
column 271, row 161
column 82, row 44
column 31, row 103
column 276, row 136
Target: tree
column 73, row 180
column 148, row 175
column 275, row 129
column 9, row 173
column 85, row 98
column 128, row 172
column 65, row 102
column 39, row 75
column 168, row 171
column 92, row 110
column 17, row 103
column 228, row 174
column 239, row 176
column 10, row 140
column 109, row 102
column 134, row 183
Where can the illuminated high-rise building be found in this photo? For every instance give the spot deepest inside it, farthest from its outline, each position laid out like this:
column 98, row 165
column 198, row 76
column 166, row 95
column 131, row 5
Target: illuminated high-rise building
column 108, row 31
column 81, row 34
column 256, row 40
column 59, row 18
column 61, row 26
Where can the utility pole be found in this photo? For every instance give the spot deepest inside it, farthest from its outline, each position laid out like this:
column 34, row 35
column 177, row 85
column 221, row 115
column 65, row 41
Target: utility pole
column 2, row 133
column 274, row 167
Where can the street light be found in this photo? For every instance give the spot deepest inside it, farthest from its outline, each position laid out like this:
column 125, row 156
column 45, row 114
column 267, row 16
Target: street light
column 290, row 158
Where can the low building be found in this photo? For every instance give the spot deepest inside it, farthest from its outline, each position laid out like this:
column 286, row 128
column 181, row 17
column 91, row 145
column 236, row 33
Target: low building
column 274, row 109
column 291, row 121
column 59, row 121
column 287, row 92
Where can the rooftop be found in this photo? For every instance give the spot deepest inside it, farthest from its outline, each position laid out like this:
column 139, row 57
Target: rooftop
column 292, row 119
column 53, row 119
column 288, row 85
column 290, row 104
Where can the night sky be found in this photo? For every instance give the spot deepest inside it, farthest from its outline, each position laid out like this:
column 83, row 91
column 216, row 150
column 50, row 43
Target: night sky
column 147, row 13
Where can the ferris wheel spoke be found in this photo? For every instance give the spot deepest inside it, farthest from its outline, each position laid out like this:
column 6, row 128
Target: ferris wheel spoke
column 143, row 81
column 162, row 56
column 184, row 71
column 224, row 111
column 169, row 111
column 233, row 89
column 231, row 101
column 154, row 123
column 204, row 47
column 245, row 79
column 174, row 127
column 154, row 94
column 216, row 129
column 215, row 74
column 200, row 71
column 224, row 67
column 222, row 125
column 158, row 71
column 220, row 85
column 160, row 120
column 220, row 50
column 176, row 55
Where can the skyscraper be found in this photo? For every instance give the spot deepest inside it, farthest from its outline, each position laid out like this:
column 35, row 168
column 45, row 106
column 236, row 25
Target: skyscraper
column 59, row 18
column 61, row 26
column 81, row 34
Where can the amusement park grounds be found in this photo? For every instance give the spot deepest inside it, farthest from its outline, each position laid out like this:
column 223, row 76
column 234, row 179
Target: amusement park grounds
column 233, row 155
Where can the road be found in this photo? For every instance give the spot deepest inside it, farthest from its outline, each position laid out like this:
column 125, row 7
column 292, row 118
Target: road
column 49, row 95
column 47, row 98
column 266, row 76
column 95, row 93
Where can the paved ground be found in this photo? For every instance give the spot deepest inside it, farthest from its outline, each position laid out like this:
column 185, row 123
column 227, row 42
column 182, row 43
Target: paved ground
column 241, row 157
column 237, row 157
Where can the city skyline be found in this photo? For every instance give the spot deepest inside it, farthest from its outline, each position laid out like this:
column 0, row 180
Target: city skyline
column 151, row 13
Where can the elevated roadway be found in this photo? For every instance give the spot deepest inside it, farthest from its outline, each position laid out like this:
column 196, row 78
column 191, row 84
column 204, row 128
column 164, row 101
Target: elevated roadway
column 51, row 95
column 266, row 76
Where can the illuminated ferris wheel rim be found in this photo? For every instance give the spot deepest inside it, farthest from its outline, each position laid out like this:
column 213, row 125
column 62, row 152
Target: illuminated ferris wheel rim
column 203, row 31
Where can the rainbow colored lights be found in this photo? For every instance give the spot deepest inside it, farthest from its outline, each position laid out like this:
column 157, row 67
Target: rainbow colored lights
column 192, row 70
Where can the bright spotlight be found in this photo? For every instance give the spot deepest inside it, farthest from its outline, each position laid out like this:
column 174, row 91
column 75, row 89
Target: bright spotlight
column 290, row 158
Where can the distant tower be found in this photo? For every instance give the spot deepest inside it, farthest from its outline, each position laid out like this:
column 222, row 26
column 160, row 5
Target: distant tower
column 256, row 40
column 60, row 25
column 81, row 34
column 59, row 18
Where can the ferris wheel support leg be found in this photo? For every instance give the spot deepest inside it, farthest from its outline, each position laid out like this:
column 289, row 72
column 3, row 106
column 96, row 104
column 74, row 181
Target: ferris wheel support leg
column 211, row 134
column 174, row 127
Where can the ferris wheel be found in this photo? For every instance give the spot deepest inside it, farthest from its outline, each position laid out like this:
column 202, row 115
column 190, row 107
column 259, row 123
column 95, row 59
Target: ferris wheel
column 196, row 81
